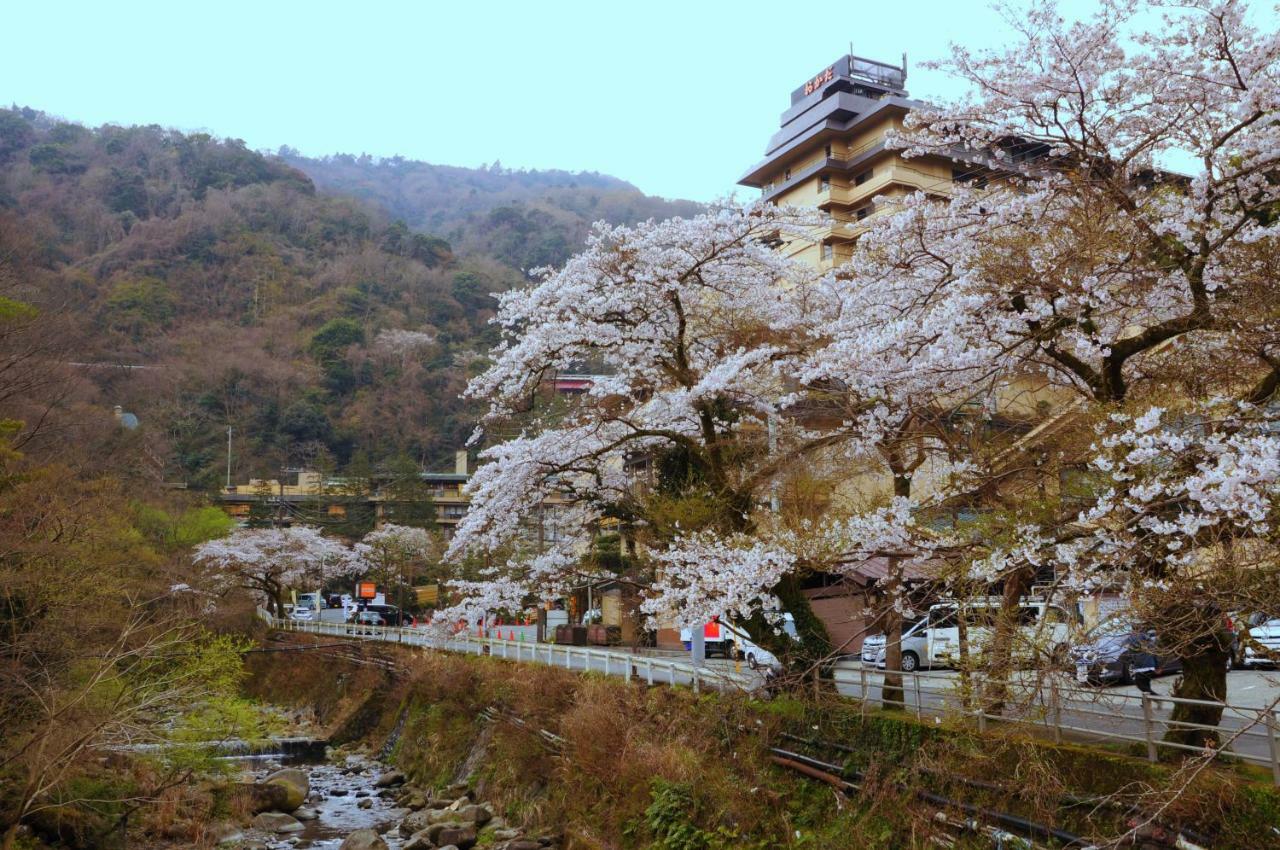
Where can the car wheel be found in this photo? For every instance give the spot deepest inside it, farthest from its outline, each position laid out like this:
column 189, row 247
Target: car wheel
column 752, row 662
column 910, row 662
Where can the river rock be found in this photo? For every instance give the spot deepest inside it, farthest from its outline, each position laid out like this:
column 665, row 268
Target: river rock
column 414, row 823
column 479, row 814
column 522, row 844
column 366, row 803
column 337, row 792
column 463, row 836
column 277, row 822
column 306, row 814
column 296, row 784
column 391, row 777
column 414, row 802
column 363, row 839
column 418, row 841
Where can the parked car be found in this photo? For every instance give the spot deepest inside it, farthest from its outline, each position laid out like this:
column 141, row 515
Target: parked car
column 362, row 622
column 1264, row 636
column 756, row 656
column 1114, row 652
column 391, row 615
column 721, row 638
column 302, row 612
column 873, row 644
column 1044, row 629
column 915, row 647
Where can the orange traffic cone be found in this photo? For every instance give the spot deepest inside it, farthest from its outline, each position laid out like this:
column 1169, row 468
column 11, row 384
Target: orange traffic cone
column 511, row 635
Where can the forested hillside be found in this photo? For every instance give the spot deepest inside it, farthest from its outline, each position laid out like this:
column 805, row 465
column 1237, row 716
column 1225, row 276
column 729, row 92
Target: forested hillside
column 199, row 285
column 525, row 219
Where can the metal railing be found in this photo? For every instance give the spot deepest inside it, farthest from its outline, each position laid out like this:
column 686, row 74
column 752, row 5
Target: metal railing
column 589, row 659
column 1047, row 704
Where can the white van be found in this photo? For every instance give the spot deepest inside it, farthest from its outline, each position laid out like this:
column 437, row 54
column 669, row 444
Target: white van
column 733, row 642
column 1044, row 632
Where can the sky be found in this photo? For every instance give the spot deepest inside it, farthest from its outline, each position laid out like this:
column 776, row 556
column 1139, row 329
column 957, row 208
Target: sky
column 678, row 98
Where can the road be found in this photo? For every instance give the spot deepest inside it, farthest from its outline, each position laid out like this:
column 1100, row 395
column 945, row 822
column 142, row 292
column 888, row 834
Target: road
column 1082, row 713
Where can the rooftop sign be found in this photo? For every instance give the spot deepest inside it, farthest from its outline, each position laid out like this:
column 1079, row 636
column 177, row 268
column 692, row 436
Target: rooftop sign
column 852, row 67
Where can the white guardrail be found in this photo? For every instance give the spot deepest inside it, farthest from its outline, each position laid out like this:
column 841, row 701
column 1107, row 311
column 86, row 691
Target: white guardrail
column 1044, row 705
column 653, row 670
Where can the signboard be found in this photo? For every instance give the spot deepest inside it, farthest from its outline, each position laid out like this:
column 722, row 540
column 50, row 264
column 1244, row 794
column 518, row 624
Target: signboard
column 427, row 594
column 366, row 590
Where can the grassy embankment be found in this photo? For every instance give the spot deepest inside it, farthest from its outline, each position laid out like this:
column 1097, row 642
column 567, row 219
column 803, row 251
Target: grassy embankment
column 666, row 768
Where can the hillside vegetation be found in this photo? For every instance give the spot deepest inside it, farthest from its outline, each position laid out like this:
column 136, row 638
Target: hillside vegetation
column 202, row 285
column 525, row 219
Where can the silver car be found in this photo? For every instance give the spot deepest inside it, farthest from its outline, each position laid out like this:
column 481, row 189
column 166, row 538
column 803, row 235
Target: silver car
column 915, row 648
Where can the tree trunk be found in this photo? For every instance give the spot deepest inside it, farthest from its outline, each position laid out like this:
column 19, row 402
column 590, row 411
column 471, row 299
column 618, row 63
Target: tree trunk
column 1000, row 653
column 892, row 695
column 1204, row 677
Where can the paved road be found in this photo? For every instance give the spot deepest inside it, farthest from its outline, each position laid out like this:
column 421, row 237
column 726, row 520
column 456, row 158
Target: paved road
column 1091, row 713
column 1082, row 713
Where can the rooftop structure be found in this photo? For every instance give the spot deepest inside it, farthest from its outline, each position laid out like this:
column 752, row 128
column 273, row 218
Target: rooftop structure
column 830, row 153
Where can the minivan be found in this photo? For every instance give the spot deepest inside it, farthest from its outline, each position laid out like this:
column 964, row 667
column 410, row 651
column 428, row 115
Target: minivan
column 1044, row 629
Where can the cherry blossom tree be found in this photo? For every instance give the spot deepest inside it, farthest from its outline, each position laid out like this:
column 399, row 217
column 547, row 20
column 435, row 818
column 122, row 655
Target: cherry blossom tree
column 393, row 554
column 271, row 560
column 696, row 331
column 1085, row 260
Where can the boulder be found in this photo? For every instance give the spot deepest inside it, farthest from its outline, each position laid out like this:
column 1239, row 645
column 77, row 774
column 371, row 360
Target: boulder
column 463, row 836
column 479, row 814
column 363, row 839
column 276, row 822
column 414, row 823
column 418, row 841
column 306, row 814
column 502, row 834
column 366, row 803
column 390, row 778
column 296, row 786
column 337, row 792
column 261, row 798
column 414, row 802
column 522, row 844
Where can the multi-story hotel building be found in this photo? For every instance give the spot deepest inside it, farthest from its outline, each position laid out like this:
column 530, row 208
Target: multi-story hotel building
column 830, row 153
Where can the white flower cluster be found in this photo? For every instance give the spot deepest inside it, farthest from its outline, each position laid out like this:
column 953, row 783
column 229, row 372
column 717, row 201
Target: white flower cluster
column 703, row 576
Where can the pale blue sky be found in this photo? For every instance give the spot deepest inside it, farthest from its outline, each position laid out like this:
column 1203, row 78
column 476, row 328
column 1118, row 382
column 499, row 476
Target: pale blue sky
column 676, row 97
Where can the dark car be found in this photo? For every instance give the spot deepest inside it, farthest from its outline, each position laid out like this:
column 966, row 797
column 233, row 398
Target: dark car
column 1112, row 656
column 362, row 623
column 391, row 615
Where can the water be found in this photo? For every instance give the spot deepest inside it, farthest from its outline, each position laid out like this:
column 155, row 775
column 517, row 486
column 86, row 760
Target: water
column 337, row 816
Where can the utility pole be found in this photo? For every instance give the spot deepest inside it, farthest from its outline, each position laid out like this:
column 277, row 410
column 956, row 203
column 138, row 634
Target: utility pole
column 228, row 457
column 284, row 470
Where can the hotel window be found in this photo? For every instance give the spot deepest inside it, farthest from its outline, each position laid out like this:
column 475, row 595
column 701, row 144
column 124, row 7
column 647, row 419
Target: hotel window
column 824, row 183
column 826, row 250
column 863, row 177
column 786, row 175
column 863, row 212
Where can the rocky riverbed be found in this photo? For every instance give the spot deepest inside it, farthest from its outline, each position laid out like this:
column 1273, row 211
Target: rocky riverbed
column 354, row 802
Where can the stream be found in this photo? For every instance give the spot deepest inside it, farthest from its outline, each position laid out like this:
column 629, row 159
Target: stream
column 333, row 809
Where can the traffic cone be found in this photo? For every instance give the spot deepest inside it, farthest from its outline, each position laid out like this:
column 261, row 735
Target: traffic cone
column 511, row 635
